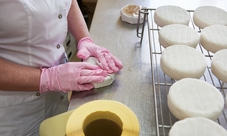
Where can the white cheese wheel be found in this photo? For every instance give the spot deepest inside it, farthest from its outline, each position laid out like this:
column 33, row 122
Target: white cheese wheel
column 214, row 38
column 169, row 14
column 197, row 126
column 219, row 65
column 180, row 61
column 209, row 15
column 178, row 34
column 190, row 97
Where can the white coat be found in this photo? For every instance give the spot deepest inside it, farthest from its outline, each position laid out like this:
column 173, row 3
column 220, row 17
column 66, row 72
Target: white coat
column 32, row 33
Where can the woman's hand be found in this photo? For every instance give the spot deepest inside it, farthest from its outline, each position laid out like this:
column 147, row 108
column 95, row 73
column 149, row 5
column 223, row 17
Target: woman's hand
column 72, row 76
column 108, row 61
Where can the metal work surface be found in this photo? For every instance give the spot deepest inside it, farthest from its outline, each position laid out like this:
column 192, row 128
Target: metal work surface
column 161, row 82
column 133, row 85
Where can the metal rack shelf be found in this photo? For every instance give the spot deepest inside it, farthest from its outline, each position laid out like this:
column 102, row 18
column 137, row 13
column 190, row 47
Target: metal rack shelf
column 161, row 82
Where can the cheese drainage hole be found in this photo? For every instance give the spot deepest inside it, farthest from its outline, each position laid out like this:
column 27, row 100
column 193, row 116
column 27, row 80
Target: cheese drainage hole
column 102, row 124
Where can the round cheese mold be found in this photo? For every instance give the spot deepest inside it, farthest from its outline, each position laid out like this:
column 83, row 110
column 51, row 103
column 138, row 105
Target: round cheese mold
column 178, row 34
column 103, row 118
column 209, row 15
column 191, row 97
column 180, row 61
column 219, row 65
column 197, row 126
column 214, row 38
column 94, row 118
column 129, row 14
column 170, row 14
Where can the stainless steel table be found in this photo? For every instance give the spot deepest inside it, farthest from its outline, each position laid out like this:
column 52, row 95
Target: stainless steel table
column 133, row 84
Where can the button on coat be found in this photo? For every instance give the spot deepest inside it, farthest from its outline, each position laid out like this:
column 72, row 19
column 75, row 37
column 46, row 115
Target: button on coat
column 32, row 33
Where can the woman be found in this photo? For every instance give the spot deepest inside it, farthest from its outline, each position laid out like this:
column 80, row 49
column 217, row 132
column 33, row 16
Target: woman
column 34, row 75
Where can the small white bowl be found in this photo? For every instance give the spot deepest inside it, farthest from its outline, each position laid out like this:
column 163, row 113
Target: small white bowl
column 129, row 14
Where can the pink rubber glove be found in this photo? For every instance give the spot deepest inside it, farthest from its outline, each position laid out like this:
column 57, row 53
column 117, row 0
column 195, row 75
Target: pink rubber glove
column 72, row 76
column 109, row 62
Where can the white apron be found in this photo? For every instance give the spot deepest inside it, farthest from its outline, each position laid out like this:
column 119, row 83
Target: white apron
column 32, row 33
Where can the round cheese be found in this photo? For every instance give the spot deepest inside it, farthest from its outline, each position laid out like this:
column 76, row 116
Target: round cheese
column 178, row 34
column 109, row 79
column 219, row 65
column 209, row 15
column 197, row 126
column 191, row 97
column 180, row 61
column 169, row 14
column 214, row 38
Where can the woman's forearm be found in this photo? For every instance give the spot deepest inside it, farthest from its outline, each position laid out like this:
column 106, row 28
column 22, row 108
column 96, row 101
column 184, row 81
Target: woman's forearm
column 76, row 22
column 18, row 77
column 23, row 78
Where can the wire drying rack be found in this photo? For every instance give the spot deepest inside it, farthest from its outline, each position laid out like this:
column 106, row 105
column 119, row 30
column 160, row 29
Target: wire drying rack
column 161, row 82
